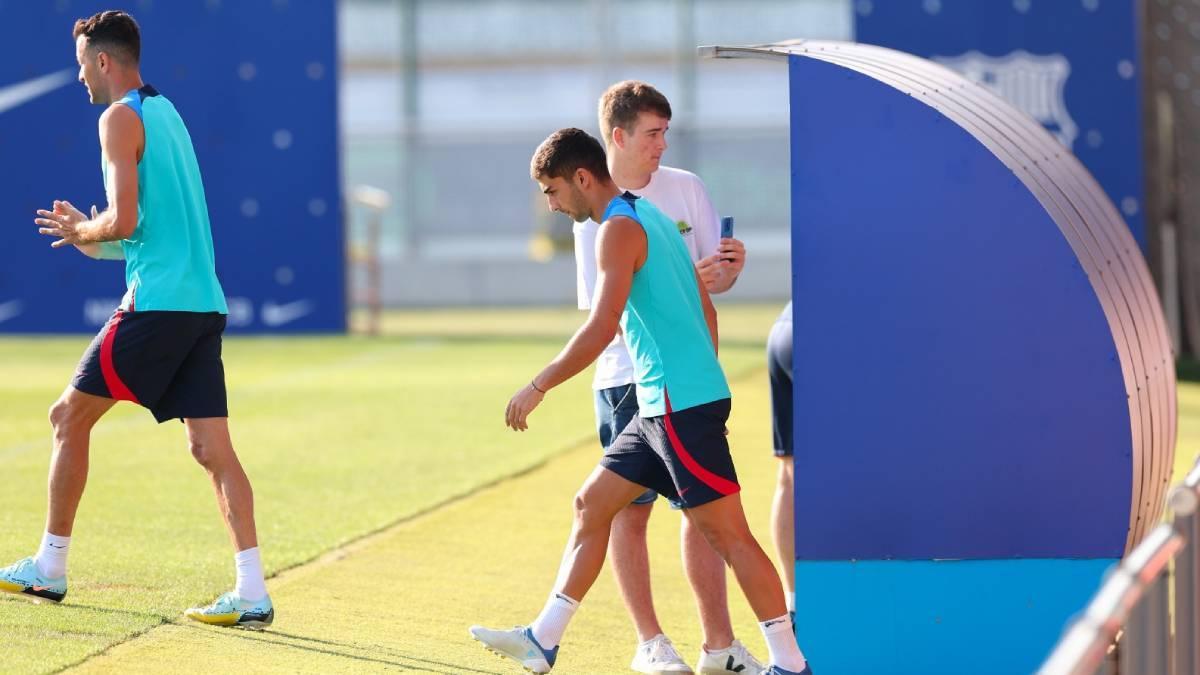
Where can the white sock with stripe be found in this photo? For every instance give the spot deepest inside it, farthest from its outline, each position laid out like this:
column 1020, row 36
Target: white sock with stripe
column 781, row 643
column 51, row 558
column 549, row 626
column 250, row 583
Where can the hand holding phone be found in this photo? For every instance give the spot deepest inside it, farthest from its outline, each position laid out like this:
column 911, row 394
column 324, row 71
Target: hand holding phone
column 727, row 231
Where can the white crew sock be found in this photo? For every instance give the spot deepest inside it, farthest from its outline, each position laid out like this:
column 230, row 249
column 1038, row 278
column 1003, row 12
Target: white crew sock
column 549, row 626
column 51, row 558
column 250, row 584
column 781, row 643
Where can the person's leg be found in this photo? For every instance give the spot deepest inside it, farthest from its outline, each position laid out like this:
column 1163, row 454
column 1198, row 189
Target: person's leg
column 44, row 575
column 780, row 377
column 724, row 525
column 101, row 378
column 248, row 605
column 628, row 552
column 603, row 494
column 705, row 570
column 695, row 450
column 720, row 651
column 782, row 517
column 212, row 448
column 72, row 418
column 630, row 557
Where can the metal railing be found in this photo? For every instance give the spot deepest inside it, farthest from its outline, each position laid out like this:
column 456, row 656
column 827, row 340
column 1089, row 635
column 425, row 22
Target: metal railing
column 1133, row 608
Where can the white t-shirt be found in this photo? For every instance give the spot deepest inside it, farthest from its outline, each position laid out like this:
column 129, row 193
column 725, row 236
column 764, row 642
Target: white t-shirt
column 679, row 194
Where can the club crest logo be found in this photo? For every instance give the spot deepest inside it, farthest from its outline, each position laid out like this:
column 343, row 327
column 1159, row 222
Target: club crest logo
column 1034, row 83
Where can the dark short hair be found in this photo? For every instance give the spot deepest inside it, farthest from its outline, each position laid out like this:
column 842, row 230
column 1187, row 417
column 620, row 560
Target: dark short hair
column 621, row 103
column 112, row 31
column 566, row 151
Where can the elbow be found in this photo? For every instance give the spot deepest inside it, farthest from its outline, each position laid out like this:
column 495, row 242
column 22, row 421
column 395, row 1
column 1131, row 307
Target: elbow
column 123, row 227
column 604, row 330
column 608, row 331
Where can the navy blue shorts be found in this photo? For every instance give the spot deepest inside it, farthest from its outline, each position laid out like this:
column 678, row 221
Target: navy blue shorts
column 168, row 362
column 682, row 455
column 779, row 371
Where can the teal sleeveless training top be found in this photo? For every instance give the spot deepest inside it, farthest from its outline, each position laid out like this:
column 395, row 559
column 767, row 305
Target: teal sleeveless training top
column 674, row 362
column 169, row 261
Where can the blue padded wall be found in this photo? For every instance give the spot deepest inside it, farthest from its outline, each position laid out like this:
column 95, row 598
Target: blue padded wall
column 1074, row 65
column 980, row 339
column 984, row 388
column 256, row 83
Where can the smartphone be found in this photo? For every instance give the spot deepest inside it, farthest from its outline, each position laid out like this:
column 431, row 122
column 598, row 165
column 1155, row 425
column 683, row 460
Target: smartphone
column 727, row 229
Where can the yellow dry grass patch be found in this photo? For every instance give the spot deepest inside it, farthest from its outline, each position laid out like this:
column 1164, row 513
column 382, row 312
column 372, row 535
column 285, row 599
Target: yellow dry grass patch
column 401, row 600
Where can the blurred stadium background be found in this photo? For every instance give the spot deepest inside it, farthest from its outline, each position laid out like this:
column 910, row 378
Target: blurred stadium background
column 442, row 103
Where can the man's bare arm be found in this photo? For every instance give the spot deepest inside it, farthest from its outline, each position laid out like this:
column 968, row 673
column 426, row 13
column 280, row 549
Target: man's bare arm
column 620, row 247
column 120, row 138
column 620, row 251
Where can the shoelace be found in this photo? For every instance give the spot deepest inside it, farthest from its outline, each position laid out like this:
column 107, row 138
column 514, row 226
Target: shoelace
column 662, row 650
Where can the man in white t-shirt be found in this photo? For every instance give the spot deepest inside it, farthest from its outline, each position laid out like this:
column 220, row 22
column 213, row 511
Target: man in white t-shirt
column 634, row 118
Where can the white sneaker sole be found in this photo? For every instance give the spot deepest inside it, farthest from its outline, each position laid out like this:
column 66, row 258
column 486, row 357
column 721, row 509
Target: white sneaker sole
column 534, row 666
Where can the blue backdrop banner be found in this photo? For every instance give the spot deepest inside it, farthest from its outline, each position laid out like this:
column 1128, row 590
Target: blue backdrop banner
column 255, row 81
column 1072, row 65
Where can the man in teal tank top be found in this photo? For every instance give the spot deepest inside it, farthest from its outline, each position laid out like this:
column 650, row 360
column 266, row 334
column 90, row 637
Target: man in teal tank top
column 162, row 347
column 646, row 286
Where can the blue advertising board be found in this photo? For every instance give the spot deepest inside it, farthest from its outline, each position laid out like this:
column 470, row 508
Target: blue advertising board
column 1072, row 65
column 256, row 83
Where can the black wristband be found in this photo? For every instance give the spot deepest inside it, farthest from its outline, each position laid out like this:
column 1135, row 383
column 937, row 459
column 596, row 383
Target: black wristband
column 535, row 388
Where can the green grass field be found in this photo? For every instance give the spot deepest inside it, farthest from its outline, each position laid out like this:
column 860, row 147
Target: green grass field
column 341, row 437
column 393, row 506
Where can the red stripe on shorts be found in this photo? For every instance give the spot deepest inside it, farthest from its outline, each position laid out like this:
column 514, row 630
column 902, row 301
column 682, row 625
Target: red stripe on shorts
column 723, row 486
column 116, row 387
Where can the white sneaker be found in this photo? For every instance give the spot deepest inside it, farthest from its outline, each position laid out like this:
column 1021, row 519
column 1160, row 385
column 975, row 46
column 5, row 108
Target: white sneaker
column 517, row 644
column 734, row 659
column 657, row 656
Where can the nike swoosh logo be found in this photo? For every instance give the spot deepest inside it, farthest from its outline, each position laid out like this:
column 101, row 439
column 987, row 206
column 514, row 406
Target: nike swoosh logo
column 17, row 94
column 278, row 315
column 10, row 309
column 39, row 589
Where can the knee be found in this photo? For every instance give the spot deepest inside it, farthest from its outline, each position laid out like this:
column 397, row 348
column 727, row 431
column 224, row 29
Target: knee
column 720, row 543
column 580, row 506
column 66, row 419
column 201, row 452
column 785, row 473
column 587, row 516
column 726, row 541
